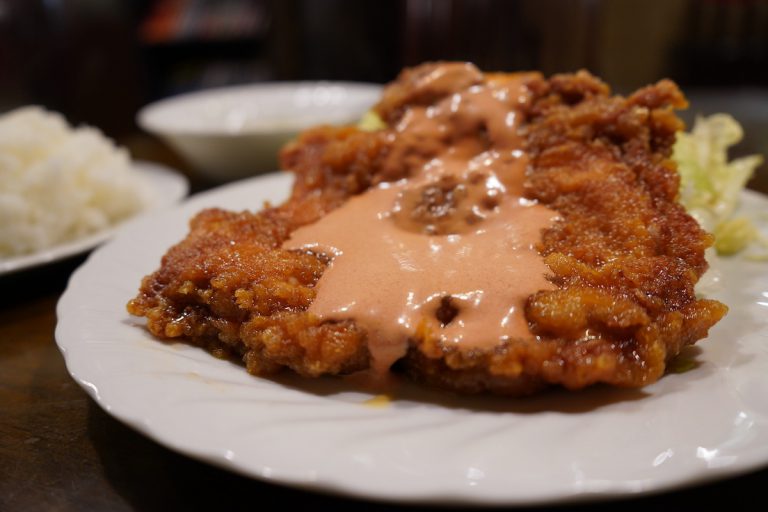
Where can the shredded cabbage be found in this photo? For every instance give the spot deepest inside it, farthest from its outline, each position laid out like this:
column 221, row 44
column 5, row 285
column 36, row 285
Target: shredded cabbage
column 371, row 122
column 710, row 185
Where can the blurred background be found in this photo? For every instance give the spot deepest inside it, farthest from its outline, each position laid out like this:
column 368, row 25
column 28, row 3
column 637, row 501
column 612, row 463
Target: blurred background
column 99, row 61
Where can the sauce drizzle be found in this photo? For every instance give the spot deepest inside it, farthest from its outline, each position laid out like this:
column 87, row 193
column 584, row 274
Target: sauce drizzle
column 450, row 250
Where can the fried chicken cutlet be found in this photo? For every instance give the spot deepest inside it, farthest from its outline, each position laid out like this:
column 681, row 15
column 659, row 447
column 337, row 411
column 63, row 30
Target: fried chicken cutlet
column 502, row 233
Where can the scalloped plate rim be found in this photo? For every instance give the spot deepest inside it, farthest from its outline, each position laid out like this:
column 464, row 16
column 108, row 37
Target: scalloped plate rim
column 328, row 480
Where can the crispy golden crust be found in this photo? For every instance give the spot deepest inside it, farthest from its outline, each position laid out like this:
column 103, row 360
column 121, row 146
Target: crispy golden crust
column 228, row 285
column 624, row 256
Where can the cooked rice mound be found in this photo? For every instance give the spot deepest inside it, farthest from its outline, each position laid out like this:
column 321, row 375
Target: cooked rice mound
column 59, row 183
column 624, row 256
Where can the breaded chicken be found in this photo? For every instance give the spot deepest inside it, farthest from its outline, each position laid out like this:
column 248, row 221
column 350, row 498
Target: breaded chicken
column 621, row 257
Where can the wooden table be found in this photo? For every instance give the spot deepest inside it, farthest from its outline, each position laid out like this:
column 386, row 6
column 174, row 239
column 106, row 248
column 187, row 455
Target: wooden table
column 60, row 451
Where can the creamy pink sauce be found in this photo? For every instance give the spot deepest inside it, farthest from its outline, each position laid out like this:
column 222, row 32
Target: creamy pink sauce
column 458, row 232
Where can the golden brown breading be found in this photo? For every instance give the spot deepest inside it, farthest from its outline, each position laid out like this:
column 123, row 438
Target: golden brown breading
column 624, row 256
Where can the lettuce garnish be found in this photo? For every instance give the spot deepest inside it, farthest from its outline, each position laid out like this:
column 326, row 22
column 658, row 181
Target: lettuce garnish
column 371, row 122
column 710, row 185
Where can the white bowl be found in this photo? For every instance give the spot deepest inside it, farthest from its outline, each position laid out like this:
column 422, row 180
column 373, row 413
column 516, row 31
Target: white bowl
column 234, row 132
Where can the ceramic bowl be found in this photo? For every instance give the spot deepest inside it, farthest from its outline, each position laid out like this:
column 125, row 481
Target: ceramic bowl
column 234, row 132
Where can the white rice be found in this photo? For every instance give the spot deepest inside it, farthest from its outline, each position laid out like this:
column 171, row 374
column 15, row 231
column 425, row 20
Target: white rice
column 58, row 183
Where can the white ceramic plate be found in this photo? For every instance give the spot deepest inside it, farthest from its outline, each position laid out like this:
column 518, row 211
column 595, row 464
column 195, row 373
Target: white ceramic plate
column 168, row 187
column 423, row 446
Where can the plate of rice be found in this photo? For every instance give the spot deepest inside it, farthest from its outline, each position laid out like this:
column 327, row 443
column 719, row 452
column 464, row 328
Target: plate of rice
column 65, row 190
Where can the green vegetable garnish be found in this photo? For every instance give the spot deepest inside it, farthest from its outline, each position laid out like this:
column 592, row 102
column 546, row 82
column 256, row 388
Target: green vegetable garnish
column 371, row 122
column 710, row 185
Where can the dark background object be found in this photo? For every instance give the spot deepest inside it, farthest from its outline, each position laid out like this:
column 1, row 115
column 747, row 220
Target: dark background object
column 97, row 61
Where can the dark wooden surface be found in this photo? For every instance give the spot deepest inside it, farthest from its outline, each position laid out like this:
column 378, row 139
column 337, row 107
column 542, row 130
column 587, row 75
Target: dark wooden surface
column 60, row 451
